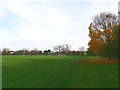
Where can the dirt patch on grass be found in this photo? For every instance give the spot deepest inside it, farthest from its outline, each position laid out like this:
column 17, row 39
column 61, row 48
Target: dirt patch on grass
column 102, row 61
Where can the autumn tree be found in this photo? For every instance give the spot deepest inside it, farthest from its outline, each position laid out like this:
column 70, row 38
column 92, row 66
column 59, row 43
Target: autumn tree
column 89, row 52
column 101, row 33
column 113, row 46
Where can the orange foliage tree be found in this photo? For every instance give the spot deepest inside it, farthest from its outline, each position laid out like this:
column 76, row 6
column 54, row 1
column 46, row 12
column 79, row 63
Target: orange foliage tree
column 101, row 33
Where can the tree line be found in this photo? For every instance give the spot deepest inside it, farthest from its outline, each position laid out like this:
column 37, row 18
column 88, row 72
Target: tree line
column 64, row 49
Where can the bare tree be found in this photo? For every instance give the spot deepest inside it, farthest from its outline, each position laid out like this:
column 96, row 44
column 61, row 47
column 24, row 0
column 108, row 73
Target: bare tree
column 66, row 47
column 35, row 51
column 82, row 49
column 58, row 48
column 25, row 51
column 62, row 48
column 104, row 21
column 5, row 51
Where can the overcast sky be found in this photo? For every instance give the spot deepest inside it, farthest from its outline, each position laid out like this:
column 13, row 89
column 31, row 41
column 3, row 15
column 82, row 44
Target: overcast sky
column 44, row 24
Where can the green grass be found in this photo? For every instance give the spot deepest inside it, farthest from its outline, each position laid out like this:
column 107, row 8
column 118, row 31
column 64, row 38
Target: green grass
column 57, row 72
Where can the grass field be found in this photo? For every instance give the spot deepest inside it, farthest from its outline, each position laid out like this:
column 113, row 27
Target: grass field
column 57, row 72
